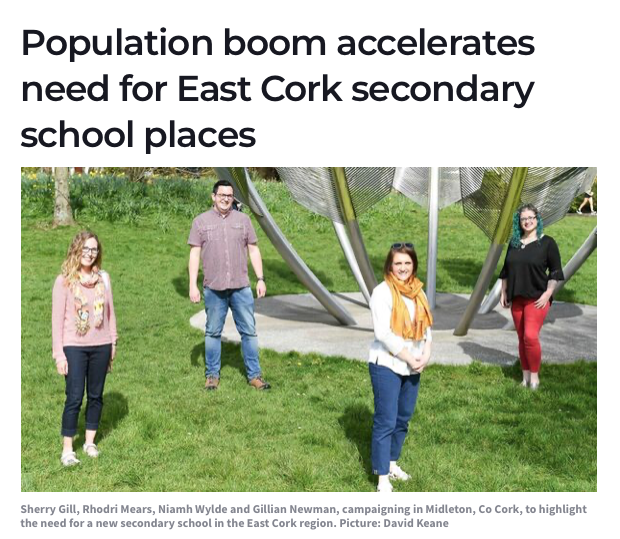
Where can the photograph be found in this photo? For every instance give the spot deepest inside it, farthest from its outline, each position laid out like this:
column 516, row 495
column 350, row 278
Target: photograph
column 309, row 329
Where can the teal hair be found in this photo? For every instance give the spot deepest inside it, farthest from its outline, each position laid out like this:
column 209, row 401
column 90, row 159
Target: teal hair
column 515, row 239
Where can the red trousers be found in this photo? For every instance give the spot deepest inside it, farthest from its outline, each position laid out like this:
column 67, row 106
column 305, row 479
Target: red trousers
column 528, row 322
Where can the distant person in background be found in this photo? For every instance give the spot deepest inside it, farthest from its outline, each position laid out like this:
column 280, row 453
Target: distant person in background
column 83, row 339
column 530, row 274
column 401, row 350
column 588, row 198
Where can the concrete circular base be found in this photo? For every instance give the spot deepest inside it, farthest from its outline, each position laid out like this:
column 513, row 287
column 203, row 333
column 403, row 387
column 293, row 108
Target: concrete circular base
column 299, row 323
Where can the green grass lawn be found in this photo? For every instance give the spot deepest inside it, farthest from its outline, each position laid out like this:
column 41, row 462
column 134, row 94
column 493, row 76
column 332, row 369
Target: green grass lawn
column 474, row 428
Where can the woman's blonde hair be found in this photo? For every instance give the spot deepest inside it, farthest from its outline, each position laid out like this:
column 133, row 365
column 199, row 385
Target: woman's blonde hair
column 73, row 262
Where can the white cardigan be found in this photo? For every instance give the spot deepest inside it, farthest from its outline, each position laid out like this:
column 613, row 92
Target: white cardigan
column 387, row 344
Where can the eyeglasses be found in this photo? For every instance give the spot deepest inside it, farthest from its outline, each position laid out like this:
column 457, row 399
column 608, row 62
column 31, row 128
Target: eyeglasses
column 527, row 219
column 225, row 197
column 401, row 245
column 90, row 250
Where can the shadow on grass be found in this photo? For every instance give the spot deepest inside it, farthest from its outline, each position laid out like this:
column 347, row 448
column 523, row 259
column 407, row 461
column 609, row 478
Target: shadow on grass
column 462, row 270
column 181, row 283
column 115, row 409
column 356, row 422
column 513, row 371
column 280, row 269
column 487, row 355
column 231, row 356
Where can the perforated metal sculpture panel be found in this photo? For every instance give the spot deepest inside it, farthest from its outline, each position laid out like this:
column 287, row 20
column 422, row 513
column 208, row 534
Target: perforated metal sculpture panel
column 315, row 188
column 413, row 182
column 550, row 189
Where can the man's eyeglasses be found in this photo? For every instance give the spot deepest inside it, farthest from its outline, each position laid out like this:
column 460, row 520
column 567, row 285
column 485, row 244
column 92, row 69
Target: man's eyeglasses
column 527, row 219
column 90, row 250
column 401, row 245
column 225, row 197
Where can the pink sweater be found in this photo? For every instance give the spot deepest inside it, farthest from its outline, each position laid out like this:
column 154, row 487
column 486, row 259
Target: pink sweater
column 63, row 320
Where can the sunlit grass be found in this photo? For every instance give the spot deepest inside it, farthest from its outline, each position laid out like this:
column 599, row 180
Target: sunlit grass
column 474, row 428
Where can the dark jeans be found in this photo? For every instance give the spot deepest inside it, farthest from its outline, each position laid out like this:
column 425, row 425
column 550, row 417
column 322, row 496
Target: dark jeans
column 88, row 366
column 395, row 398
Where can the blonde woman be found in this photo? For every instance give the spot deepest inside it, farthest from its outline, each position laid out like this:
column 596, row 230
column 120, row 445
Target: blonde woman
column 402, row 322
column 83, row 339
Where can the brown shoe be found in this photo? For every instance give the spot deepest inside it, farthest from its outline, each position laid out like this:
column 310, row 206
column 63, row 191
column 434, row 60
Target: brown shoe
column 259, row 383
column 212, row 383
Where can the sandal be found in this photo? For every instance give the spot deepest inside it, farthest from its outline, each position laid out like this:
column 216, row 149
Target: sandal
column 91, row 450
column 69, row 459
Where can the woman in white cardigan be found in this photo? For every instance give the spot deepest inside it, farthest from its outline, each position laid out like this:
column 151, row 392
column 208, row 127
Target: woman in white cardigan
column 401, row 350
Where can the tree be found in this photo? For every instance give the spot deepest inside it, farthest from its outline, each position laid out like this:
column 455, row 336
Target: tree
column 62, row 205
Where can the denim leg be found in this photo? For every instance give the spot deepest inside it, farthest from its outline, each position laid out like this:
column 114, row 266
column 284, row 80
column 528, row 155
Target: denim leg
column 406, row 405
column 242, row 306
column 98, row 361
column 216, row 307
column 386, row 386
column 74, row 388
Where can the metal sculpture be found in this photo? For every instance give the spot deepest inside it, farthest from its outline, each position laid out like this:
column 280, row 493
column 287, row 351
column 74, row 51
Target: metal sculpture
column 341, row 194
column 434, row 188
column 551, row 190
column 489, row 200
column 246, row 192
column 500, row 202
column 578, row 259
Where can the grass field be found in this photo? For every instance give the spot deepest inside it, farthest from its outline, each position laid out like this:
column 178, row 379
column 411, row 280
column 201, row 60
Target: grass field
column 474, row 428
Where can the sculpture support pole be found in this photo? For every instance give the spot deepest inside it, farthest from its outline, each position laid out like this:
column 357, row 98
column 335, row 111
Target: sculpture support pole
column 492, row 299
column 582, row 254
column 284, row 248
column 353, row 229
column 502, row 231
column 345, row 244
column 431, row 250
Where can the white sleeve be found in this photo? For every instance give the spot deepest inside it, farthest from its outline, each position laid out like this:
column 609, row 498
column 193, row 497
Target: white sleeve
column 381, row 309
column 428, row 336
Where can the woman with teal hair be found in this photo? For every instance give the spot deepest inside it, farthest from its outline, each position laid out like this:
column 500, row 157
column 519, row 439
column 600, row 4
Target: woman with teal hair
column 530, row 274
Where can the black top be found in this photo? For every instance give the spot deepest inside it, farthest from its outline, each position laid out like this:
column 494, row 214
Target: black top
column 526, row 267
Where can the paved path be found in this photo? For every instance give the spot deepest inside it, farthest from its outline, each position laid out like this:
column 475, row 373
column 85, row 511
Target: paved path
column 299, row 322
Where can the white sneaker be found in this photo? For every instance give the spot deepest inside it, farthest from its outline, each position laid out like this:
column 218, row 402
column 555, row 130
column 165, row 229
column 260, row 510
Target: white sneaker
column 593, row 213
column 578, row 212
column 384, row 486
column 397, row 473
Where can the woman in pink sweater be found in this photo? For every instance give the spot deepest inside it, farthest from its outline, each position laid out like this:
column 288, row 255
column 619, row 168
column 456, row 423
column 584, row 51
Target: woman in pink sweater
column 83, row 338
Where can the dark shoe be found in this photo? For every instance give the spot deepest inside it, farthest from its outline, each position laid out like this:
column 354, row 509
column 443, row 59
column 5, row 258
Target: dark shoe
column 212, row 383
column 259, row 383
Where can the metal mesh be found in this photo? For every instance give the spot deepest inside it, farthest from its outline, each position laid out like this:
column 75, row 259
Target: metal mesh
column 314, row 188
column 588, row 179
column 413, row 183
column 550, row 189
column 368, row 185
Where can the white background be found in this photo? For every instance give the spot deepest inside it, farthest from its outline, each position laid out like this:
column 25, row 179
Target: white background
column 570, row 119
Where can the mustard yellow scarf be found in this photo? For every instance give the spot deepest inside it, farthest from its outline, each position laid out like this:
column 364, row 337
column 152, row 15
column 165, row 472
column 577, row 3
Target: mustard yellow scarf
column 401, row 323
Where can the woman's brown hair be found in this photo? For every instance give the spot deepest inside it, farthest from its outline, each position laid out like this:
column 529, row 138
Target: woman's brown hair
column 400, row 248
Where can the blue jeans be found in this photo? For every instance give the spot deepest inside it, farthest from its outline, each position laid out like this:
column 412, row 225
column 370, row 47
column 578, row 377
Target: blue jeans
column 395, row 398
column 88, row 367
column 241, row 303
